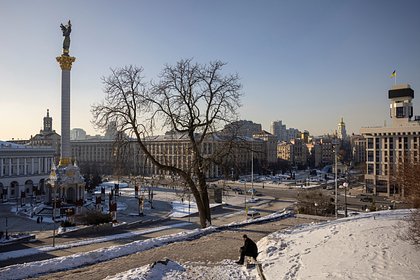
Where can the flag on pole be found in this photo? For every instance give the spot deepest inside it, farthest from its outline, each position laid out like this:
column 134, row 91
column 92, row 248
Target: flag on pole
column 394, row 74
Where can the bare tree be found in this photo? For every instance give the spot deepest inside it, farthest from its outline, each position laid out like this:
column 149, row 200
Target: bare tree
column 407, row 179
column 189, row 98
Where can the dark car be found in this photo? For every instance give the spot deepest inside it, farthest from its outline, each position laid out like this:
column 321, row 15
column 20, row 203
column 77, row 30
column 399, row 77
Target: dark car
column 237, row 190
column 366, row 199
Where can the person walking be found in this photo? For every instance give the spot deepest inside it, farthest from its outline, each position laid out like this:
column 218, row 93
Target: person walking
column 249, row 249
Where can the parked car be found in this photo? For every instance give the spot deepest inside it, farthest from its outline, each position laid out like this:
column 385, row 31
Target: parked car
column 237, row 190
column 253, row 214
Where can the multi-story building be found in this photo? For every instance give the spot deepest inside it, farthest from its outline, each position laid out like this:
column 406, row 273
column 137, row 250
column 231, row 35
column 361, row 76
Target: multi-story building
column 105, row 156
column 285, row 151
column 300, row 152
column 387, row 147
column 293, row 133
column 358, row 146
column 294, row 151
column 23, row 170
column 242, row 128
column 270, row 145
column 278, row 129
column 77, row 134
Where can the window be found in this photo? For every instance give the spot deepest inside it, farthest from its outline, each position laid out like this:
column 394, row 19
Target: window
column 370, row 143
column 370, row 168
column 400, row 112
column 370, row 156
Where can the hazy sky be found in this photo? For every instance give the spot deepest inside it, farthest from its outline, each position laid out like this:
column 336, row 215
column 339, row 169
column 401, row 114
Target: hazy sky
column 308, row 63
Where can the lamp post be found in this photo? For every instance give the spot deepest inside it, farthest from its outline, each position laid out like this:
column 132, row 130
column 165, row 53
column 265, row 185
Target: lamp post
column 53, row 213
column 246, row 207
column 189, row 207
column 345, row 185
column 336, row 183
column 252, row 172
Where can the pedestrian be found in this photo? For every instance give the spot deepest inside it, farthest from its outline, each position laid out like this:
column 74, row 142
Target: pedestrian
column 249, row 249
column 42, row 218
column 37, row 220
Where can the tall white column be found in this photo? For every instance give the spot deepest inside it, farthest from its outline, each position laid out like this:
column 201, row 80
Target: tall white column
column 65, row 114
column 65, row 62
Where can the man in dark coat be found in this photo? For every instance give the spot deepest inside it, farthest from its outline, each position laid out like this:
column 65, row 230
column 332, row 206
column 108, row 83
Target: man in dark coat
column 249, row 249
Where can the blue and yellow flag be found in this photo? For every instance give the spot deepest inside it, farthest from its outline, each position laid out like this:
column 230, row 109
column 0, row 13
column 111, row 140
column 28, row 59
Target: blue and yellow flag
column 394, row 74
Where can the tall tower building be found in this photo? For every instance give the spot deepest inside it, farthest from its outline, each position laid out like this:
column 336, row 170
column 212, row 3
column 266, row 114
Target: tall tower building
column 341, row 131
column 279, row 130
column 47, row 123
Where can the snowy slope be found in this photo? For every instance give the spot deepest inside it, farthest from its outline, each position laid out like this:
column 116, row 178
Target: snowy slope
column 367, row 246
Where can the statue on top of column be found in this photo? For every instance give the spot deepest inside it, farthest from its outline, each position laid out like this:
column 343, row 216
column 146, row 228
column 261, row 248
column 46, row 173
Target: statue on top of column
column 66, row 33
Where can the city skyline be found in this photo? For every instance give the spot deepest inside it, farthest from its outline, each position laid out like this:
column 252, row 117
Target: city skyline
column 307, row 63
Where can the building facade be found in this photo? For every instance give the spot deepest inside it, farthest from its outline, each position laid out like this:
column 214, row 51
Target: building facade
column 388, row 147
column 269, row 146
column 23, row 170
column 279, row 130
column 358, row 146
column 102, row 156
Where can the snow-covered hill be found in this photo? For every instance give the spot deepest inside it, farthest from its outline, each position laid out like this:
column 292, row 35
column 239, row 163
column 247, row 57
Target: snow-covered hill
column 367, row 246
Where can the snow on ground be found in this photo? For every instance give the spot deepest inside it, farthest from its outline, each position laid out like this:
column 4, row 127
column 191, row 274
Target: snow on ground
column 21, row 271
column 367, row 246
column 185, row 208
column 363, row 247
column 44, row 249
column 226, row 270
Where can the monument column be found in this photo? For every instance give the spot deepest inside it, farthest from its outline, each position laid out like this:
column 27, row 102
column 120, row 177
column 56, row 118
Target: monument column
column 65, row 62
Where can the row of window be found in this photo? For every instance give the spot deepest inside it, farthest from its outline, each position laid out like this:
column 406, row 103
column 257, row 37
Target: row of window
column 18, row 166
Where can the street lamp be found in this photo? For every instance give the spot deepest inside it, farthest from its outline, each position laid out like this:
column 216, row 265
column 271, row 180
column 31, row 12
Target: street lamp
column 345, row 185
column 246, row 208
column 56, row 183
column 336, row 183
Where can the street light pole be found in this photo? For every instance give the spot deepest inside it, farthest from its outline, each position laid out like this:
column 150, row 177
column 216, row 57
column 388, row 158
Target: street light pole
column 252, row 173
column 336, row 183
column 345, row 185
column 54, row 205
column 246, row 208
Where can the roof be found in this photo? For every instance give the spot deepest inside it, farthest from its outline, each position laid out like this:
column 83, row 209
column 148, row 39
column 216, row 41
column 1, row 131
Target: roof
column 9, row 145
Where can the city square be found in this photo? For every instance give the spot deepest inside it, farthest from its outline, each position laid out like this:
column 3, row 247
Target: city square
column 152, row 148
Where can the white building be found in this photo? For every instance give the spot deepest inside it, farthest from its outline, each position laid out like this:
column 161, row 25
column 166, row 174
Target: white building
column 77, row 134
column 23, row 170
column 387, row 147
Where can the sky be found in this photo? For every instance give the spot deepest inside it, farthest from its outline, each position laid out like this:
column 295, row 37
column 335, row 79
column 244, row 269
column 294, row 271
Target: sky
column 307, row 63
